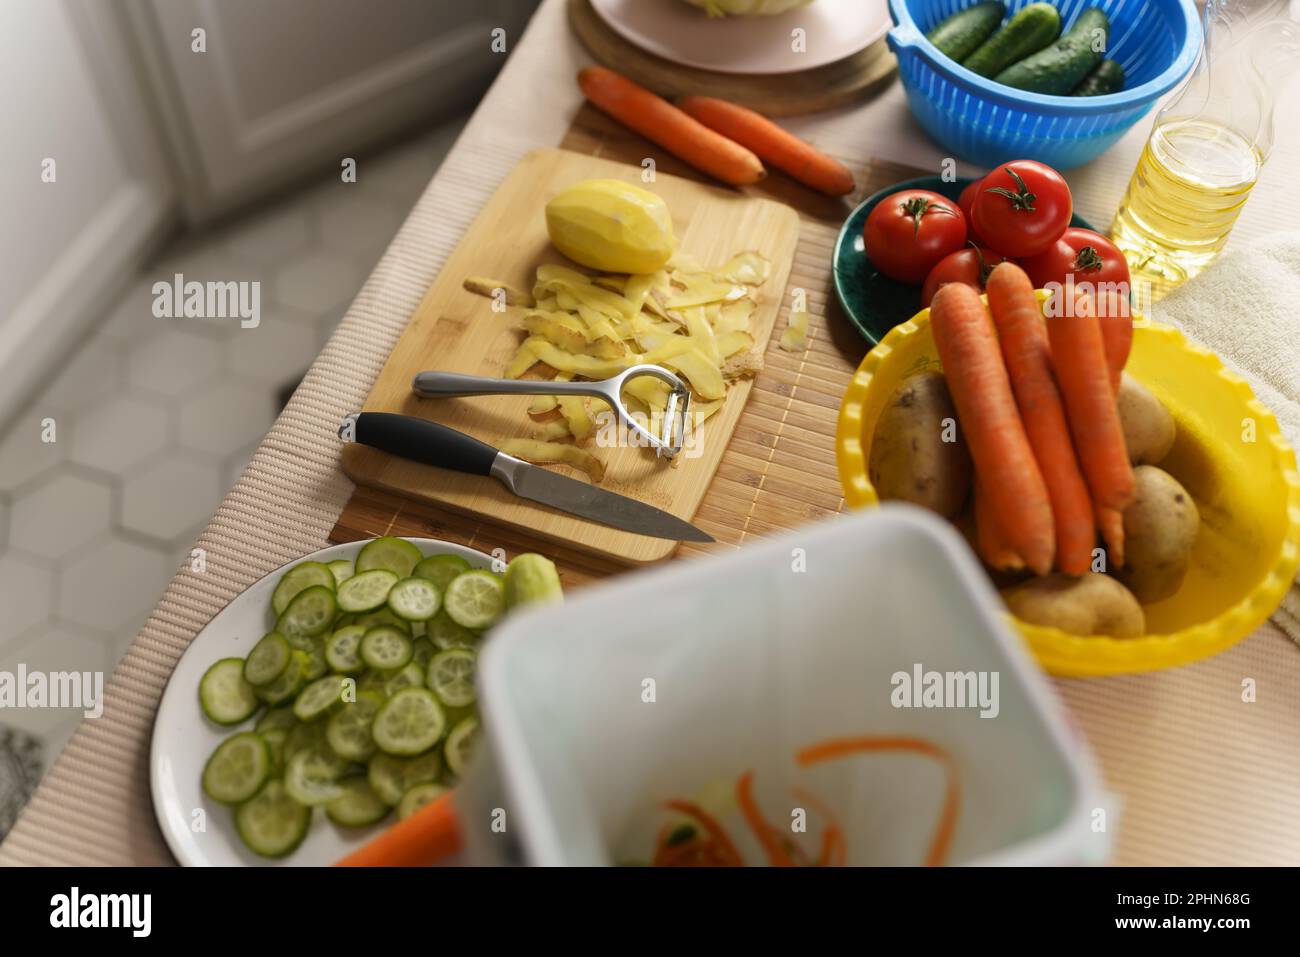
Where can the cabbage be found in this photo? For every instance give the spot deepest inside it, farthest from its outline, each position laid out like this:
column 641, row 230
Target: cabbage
column 745, row 8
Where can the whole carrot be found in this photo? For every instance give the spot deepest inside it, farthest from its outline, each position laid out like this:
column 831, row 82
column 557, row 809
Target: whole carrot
column 1116, row 332
column 781, row 148
column 1079, row 360
column 429, row 835
column 981, row 391
column 992, row 544
column 1023, row 337
column 660, row 122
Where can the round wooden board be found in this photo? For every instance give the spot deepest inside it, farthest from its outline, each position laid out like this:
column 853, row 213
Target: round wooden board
column 786, row 94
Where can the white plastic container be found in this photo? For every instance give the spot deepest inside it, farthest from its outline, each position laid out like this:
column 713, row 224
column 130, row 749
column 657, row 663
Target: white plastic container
column 752, row 656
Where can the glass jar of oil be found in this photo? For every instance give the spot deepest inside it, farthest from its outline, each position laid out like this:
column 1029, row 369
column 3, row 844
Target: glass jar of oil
column 1208, row 145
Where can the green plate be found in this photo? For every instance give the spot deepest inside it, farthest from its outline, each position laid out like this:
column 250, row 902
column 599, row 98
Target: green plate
column 873, row 302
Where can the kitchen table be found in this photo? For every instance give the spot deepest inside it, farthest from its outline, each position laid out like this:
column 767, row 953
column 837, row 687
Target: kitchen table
column 1203, row 774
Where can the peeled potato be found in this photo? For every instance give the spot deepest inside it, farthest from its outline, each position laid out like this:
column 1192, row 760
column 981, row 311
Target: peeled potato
column 910, row 459
column 1148, row 426
column 1092, row 604
column 1159, row 530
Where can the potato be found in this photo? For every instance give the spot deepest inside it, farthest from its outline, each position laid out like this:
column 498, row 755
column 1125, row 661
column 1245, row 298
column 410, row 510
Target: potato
column 1148, row 426
column 910, row 461
column 1159, row 530
column 1093, row 604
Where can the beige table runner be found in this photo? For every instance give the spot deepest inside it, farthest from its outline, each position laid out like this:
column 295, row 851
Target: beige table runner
column 1205, row 777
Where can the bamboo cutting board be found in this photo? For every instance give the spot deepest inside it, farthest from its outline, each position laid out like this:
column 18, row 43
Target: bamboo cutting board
column 457, row 331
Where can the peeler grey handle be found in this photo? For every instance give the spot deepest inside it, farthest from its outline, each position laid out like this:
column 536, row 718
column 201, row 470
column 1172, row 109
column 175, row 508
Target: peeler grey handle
column 445, row 385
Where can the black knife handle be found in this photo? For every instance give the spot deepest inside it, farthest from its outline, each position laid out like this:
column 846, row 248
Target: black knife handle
column 423, row 441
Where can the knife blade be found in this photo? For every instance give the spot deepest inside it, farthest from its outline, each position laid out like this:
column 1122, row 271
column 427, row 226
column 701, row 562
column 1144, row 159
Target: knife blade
column 432, row 443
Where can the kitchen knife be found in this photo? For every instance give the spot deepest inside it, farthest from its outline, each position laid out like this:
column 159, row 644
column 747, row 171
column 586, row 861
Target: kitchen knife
column 432, row 443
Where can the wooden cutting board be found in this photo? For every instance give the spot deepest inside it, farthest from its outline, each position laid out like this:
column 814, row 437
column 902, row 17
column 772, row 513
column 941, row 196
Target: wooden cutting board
column 457, row 331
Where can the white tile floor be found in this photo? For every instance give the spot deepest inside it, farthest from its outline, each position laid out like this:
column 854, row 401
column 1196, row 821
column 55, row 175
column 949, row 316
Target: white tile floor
column 156, row 419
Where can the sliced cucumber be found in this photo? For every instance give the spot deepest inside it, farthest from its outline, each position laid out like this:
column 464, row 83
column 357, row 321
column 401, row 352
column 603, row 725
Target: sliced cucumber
column 392, row 777
column 411, row 721
column 357, row 806
column 290, row 681
column 272, row 823
column 267, row 660
column 415, row 599
column 385, row 648
column 224, row 695
column 314, row 649
column 460, row 745
column 366, row 591
column 305, row 737
column 237, row 769
column 397, row 555
column 297, row 579
column 384, row 616
column 311, row 776
column 342, row 570
column 441, row 569
column 475, row 599
column 422, row 652
column 348, row 731
column 445, row 633
column 275, row 739
column 342, row 649
column 417, row 797
column 319, row 696
column 276, row 719
column 311, row 613
column 451, row 677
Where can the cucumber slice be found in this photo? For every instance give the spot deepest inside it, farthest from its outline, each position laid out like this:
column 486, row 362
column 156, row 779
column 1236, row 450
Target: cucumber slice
column 319, row 696
column 342, row 570
column 224, row 695
column 275, row 738
column 392, row 777
column 451, row 677
column 441, row 569
column 460, row 746
column 305, row 737
column 475, row 599
column 417, row 797
column 311, row 776
column 385, row 648
column 532, row 579
column 348, row 731
column 314, row 649
column 237, row 769
column 445, row 633
column 422, row 652
column 384, row 616
column 415, row 599
column 397, row 555
column 272, row 823
column 276, row 719
column 342, row 649
column 267, row 660
column 297, row 579
column 290, row 681
column 366, row 591
column 311, row 613
column 411, row 721
column 388, row 683
column 357, row 806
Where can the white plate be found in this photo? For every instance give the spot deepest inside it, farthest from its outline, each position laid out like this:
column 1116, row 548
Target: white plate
column 678, row 31
column 183, row 737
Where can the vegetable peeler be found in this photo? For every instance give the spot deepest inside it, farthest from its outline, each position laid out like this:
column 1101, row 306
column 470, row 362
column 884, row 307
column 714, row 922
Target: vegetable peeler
column 443, row 385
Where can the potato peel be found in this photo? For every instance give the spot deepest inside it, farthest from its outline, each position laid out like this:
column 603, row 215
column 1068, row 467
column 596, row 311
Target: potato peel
column 550, row 453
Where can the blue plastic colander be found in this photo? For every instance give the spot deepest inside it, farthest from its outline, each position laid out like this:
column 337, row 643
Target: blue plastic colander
column 1155, row 41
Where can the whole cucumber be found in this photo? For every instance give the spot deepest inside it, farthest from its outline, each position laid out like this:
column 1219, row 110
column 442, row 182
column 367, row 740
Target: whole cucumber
column 966, row 29
column 1026, row 33
column 1062, row 66
column 1106, row 78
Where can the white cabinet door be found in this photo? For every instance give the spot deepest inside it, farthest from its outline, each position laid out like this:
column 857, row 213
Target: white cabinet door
column 272, row 89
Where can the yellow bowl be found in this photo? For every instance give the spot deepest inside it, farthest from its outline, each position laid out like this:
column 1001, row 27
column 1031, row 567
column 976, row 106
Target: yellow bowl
column 1229, row 454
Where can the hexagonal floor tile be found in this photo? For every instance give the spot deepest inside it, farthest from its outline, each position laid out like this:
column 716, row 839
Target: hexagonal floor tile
column 119, row 433
column 173, row 363
column 274, row 352
column 94, row 371
column 228, row 416
column 60, row 515
column 355, row 223
column 318, row 282
column 23, row 454
column 58, row 646
column 209, row 261
column 25, row 595
column 170, row 496
column 112, row 583
column 132, row 315
column 272, row 236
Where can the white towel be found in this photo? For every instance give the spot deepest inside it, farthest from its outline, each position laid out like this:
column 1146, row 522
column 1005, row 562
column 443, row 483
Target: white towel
column 1244, row 309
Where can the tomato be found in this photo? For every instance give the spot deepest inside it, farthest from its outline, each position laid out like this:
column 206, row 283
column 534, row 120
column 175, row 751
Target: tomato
column 1082, row 258
column 970, row 266
column 965, row 202
column 1022, row 208
column 909, row 231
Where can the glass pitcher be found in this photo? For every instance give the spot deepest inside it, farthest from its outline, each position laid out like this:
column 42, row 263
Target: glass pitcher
column 1208, row 144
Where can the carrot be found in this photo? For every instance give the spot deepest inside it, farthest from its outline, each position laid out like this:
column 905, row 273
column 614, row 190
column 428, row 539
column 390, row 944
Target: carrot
column 1116, row 331
column 844, row 747
column 767, row 835
column 834, row 851
column 660, row 122
column 992, row 545
column 1079, row 360
column 986, row 409
column 426, row 837
column 781, row 148
column 730, row 856
column 1111, row 522
column 1022, row 335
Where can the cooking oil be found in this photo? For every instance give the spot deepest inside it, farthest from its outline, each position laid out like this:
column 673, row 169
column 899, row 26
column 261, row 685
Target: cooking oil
column 1186, row 193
